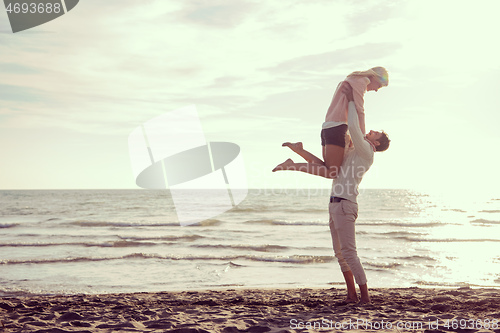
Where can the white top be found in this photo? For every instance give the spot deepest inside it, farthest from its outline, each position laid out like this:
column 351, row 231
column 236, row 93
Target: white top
column 330, row 124
column 357, row 160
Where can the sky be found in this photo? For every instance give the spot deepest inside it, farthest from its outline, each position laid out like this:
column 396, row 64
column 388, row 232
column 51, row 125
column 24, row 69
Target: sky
column 260, row 73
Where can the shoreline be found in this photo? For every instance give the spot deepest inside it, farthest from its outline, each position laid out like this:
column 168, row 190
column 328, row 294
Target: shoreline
column 255, row 310
column 330, row 286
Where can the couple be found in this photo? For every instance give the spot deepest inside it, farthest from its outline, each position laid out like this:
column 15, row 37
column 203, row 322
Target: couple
column 345, row 160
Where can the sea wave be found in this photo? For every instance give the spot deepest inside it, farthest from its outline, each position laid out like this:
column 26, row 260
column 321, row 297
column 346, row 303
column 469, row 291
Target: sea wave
column 453, row 210
column 107, row 224
column 232, row 264
column 125, row 242
column 8, row 225
column 96, row 224
column 444, row 284
column 104, row 244
column 293, row 259
column 382, row 265
column 415, row 258
column 484, row 222
column 400, row 233
column 407, row 224
column 253, row 209
column 258, row 248
column 281, row 222
column 17, row 211
column 165, row 238
column 447, row 240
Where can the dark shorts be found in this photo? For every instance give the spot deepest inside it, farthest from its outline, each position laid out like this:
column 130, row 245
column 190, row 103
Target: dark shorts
column 334, row 135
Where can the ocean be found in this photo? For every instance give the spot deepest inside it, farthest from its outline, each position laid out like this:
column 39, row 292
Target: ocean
column 111, row 241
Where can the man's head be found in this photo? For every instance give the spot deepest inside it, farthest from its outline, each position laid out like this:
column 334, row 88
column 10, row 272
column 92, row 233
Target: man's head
column 379, row 139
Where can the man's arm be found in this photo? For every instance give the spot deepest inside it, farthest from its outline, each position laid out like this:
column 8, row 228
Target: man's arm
column 359, row 85
column 363, row 147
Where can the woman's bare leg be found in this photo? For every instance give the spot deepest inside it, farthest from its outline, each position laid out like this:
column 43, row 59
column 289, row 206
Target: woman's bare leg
column 333, row 155
column 299, row 149
column 310, row 168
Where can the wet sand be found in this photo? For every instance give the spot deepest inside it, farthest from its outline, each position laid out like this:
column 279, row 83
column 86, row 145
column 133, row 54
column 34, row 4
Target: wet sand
column 254, row 311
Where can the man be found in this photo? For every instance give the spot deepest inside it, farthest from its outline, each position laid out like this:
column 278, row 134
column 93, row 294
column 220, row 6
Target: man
column 343, row 206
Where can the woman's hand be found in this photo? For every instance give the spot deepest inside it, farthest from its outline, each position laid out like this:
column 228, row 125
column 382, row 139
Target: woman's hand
column 347, row 91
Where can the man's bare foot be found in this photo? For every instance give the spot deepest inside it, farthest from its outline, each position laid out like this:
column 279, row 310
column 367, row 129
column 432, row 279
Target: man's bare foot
column 365, row 300
column 365, row 295
column 297, row 146
column 351, row 300
column 284, row 166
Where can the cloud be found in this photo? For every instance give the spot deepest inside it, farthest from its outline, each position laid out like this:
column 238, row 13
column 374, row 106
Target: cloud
column 104, row 71
column 365, row 17
column 20, row 94
column 4, row 21
column 226, row 81
column 329, row 61
column 16, row 68
column 215, row 13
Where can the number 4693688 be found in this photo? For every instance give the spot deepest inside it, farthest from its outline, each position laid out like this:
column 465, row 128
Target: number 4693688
column 33, row 8
column 471, row 324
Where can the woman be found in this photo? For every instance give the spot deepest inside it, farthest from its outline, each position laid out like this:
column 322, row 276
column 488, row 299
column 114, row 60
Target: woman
column 333, row 133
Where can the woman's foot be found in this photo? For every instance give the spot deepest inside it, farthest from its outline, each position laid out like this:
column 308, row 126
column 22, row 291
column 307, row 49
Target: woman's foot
column 284, row 166
column 296, row 147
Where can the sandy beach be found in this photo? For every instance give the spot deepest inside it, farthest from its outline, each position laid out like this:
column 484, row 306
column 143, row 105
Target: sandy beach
column 254, row 311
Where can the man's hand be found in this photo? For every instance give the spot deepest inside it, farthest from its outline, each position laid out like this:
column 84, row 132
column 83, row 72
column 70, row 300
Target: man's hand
column 347, row 91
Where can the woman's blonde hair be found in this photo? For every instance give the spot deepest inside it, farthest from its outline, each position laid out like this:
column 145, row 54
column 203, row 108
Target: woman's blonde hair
column 378, row 73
